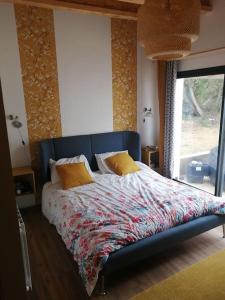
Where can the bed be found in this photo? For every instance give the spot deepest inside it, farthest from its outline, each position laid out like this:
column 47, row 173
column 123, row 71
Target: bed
column 137, row 249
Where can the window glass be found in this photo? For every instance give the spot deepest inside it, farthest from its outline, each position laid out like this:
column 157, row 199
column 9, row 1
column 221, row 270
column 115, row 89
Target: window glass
column 199, row 104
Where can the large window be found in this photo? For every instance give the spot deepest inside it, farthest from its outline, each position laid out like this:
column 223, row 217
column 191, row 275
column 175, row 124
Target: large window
column 199, row 146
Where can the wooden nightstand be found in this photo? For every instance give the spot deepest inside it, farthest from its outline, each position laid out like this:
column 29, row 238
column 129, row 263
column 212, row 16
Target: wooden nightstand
column 25, row 188
column 147, row 156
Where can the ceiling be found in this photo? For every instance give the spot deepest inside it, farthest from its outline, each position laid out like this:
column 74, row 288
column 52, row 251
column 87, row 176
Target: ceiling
column 123, row 9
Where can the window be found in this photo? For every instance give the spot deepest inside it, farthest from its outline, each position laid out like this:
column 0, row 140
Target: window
column 199, row 145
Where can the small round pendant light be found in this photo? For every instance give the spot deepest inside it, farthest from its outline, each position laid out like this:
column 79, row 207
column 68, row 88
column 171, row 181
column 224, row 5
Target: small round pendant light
column 167, row 28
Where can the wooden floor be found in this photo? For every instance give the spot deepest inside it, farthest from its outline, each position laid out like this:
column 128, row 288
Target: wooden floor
column 55, row 275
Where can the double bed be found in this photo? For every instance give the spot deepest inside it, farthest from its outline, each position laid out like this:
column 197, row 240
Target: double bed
column 119, row 220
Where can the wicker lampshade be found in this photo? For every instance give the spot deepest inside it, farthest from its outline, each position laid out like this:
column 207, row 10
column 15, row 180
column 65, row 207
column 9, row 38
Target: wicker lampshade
column 166, row 28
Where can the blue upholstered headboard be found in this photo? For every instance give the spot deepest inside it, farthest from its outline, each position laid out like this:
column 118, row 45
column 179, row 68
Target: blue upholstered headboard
column 88, row 145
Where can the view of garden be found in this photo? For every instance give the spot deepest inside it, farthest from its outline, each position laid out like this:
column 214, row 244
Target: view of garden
column 201, row 111
column 202, row 100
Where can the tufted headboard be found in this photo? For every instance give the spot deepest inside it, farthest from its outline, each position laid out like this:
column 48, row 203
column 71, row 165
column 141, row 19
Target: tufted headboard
column 88, row 145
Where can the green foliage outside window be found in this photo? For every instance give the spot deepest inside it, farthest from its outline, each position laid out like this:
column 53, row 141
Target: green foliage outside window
column 202, row 99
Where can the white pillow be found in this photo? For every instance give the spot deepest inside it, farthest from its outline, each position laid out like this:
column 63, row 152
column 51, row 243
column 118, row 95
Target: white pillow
column 101, row 161
column 77, row 159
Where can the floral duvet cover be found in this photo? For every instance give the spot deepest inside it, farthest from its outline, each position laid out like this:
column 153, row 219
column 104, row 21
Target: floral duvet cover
column 97, row 219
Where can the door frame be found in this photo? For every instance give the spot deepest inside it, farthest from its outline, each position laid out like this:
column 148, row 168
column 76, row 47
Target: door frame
column 12, row 279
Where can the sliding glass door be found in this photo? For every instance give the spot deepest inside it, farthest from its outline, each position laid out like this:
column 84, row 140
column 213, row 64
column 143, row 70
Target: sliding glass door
column 199, row 129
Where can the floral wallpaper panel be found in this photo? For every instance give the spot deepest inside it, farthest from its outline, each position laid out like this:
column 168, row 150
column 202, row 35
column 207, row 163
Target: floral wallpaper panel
column 36, row 39
column 124, row 74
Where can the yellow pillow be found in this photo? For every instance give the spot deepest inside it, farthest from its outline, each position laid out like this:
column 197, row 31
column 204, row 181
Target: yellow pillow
column 122, row 164
column 73, row 175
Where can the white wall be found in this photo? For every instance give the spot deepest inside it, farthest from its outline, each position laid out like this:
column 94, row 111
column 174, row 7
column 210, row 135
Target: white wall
column 206, row 61
column 10, row 73
column 147, row 97
column 212, row 35
column 83, row 46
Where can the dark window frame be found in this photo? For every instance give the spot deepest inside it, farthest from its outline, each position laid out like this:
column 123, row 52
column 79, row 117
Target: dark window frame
column 201, row 72
column 219, row 70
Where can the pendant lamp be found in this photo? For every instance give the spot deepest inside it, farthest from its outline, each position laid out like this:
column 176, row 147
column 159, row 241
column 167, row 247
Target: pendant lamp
column 167, row 28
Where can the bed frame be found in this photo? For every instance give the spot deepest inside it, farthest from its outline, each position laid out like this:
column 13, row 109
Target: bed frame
column 88, row 145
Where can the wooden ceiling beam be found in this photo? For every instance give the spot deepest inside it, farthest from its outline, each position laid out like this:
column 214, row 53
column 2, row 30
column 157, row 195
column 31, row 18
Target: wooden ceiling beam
column 206, row 5
column 79, row 8
column 139, row 2
column 112, row 12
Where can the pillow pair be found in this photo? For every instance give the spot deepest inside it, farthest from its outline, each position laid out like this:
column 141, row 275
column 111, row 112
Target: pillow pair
column 75, row 171
column 71, row 172
column 119, row 163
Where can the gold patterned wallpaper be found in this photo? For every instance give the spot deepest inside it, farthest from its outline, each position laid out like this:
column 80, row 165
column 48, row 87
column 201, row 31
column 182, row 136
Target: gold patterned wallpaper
column 124, row 74
column 36, row 39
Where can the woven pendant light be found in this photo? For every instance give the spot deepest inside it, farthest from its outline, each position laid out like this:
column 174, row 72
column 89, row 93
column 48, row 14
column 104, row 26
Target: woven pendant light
column 167, row 28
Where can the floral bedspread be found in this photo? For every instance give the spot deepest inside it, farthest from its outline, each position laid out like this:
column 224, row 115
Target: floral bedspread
column 96, row 219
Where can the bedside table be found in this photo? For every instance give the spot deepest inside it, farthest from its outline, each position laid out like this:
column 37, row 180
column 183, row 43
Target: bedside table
column 148, row 157
column 25, row 188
